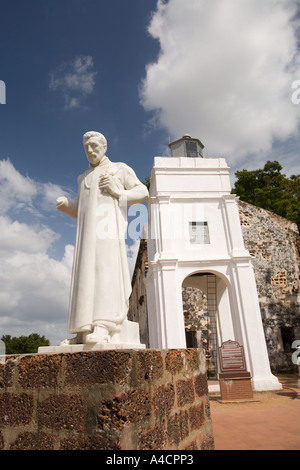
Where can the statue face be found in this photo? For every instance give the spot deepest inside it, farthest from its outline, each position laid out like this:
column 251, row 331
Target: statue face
column 95, row 151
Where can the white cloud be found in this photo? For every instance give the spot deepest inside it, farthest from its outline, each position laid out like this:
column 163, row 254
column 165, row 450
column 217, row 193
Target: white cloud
column 22, row 193
column 75, row 80
column 225, row 73
column 34, row 287
column 16, row 190
column 16, row 236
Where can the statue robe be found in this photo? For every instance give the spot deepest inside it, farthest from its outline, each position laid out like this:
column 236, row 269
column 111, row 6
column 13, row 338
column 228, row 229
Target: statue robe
column 100, row 285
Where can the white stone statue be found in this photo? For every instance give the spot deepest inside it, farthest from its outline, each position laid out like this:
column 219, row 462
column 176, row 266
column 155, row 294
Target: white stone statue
column 100, row 286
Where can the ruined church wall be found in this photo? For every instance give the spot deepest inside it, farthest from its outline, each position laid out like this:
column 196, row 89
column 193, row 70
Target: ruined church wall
column 274, row 243
column 138, row 300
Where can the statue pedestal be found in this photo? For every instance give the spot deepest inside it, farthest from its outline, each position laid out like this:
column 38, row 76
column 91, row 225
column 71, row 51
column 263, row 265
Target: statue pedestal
column 129, row 338
column 124, row 400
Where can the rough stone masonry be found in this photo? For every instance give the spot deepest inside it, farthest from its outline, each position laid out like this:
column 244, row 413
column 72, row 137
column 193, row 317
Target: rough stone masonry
column 106, row 400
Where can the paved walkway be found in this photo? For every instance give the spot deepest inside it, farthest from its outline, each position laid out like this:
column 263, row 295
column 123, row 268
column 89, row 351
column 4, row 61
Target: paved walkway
column 272, row 423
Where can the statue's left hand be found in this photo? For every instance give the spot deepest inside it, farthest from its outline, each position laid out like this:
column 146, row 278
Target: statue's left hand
column 108, row 183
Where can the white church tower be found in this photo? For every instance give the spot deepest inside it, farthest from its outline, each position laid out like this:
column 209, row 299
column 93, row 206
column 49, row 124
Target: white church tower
column 195, row 239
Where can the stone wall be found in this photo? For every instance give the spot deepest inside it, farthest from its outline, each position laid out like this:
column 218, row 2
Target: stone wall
column 138, row 300
column 105, row 400
column 274, row 243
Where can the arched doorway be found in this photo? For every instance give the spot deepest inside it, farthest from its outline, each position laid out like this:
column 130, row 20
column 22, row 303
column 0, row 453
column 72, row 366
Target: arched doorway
column 203, row 295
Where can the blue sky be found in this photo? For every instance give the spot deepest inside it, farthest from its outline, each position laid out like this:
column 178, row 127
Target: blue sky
column 142, row 72
column 40, row 39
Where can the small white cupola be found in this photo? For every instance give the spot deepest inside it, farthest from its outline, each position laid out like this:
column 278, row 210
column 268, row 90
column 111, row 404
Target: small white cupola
column 187, row 147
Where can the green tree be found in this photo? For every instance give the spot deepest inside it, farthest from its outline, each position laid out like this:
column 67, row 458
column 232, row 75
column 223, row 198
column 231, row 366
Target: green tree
column 24, row 344
column 269, row 189
column 147, row 181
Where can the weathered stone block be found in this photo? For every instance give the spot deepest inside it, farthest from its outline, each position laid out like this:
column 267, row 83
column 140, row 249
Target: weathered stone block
column 39, row 371
column 191, row 357
column 163, row 400
column 15, row 409
column 153, row 439
column 185, row 391
column 149, row 365
column 85, row 369
column 174, row 361
column 34, row 441
column 61, row 412
column 207, row 442
column 128, row 408
column 201, row 387
column 178, row 427
column 7, row 371
column 196, row 416
column 89, row 443
column 101, row 367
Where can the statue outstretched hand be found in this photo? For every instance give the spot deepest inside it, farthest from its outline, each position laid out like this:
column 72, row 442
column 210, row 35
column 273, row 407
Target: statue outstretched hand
column 61, row 201
column 63, row 204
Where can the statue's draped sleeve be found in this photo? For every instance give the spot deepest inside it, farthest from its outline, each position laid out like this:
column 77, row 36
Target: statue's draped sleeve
column 70, row 208
column 134, row 191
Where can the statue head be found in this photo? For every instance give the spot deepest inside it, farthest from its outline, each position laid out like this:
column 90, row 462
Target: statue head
column 95, row 146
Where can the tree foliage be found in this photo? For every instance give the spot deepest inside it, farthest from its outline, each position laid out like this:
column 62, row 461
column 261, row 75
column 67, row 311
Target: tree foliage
column 24, row 344
column 147, row 181
column 269, row 189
